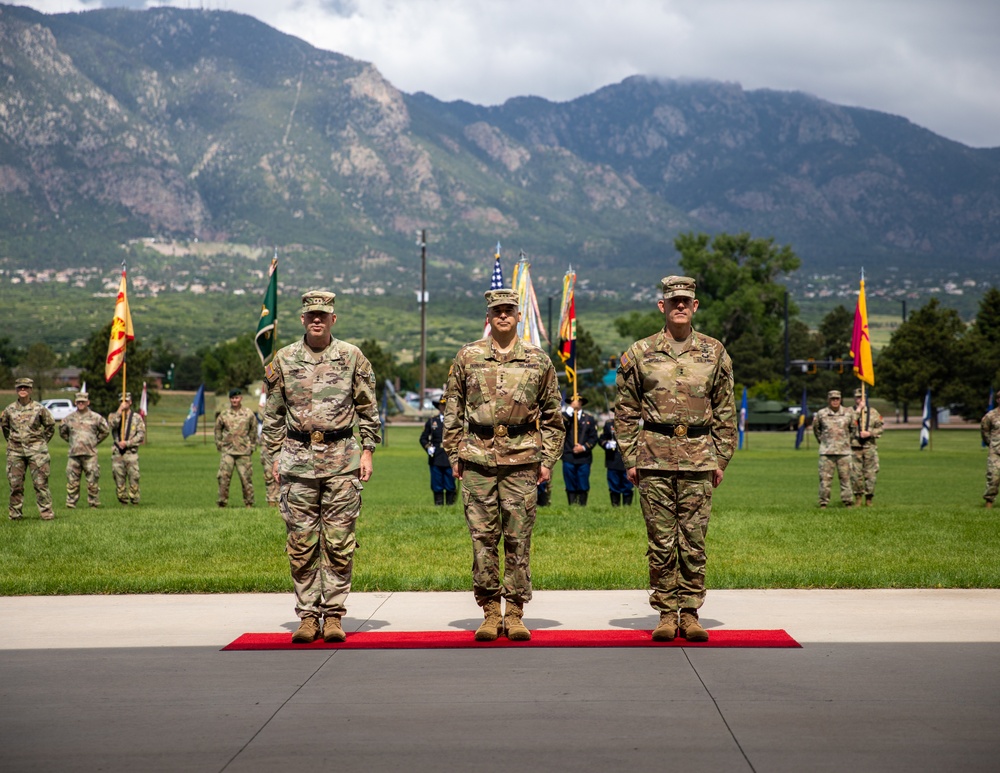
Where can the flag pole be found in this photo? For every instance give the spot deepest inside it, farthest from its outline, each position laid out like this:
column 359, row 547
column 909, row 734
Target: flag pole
column 128, row 316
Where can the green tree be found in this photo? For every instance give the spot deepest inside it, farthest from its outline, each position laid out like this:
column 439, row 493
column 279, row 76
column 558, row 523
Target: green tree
column 923, row 353
column 740, row 299
column 233, row 364
column 106, row 396
column 39, row 364
column 979, row 355
column 10, row 356
column 382, row 363
column 637, row 325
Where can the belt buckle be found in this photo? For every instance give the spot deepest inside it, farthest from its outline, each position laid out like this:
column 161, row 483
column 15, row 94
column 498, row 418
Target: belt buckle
column 680, row 430
column 316, row 437
column 500, row 430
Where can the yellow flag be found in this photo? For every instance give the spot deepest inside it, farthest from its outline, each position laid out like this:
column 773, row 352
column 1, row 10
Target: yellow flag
column 861, row 345
column 121, row 332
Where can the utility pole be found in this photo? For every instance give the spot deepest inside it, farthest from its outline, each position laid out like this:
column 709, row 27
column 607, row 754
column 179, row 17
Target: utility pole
column 422, row 241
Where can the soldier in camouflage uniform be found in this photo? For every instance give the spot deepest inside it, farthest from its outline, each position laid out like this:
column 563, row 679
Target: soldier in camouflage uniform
column 317, row 389
column 990, row 430
column 235, row 439
column 679, row 383
column 128, row 431
column 28, row 427
column 503, row 433
column 84, row 430
column 866, row 429
column 832, row 428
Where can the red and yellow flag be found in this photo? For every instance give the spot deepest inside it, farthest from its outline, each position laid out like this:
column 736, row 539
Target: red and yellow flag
column 861, row 344
column 121, row 332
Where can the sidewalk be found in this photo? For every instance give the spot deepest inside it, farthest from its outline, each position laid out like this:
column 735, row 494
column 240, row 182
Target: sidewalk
column 885, row 680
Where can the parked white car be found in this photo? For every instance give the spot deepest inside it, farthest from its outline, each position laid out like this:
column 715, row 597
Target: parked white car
column 59, row 407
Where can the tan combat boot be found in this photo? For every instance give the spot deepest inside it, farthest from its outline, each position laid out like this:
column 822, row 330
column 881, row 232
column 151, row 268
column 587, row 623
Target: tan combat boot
column 857, row 500
column 690, row 628
column 512, row 624
column 307, row 631
column 332, row 631
column 868, row 500
column 492, row 622
column 667, row 629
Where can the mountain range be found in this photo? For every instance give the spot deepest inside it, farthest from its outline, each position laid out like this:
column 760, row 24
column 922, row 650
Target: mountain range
column 185, row 125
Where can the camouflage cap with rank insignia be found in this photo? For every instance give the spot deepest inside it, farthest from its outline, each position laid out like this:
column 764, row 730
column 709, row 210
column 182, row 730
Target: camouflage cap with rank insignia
column 677, row 287
column 318, row 300
column 502, row 297
column 24, row 382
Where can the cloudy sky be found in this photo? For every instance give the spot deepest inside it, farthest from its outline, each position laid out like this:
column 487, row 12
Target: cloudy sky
column 935, row 62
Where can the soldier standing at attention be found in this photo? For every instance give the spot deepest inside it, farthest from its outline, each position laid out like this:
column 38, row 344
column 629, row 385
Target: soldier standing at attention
column 318, row 388
column 679, row 383
column 866, row 429
column 84, row 430
column 28, row 427
column 235, row 438
column 990, row 430
column 442, row 477
column 128, row 431
column 619, row 486
column 503, row 434
column 832, row 428
column 578, row 450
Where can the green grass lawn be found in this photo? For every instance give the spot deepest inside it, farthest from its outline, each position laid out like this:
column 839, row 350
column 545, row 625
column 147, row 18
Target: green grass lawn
column 928, row 529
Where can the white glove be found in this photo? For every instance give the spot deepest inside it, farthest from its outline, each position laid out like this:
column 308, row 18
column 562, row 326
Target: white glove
column 611, row 445
column 431, row 450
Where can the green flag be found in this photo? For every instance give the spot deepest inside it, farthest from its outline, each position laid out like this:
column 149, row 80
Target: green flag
column 267, row 326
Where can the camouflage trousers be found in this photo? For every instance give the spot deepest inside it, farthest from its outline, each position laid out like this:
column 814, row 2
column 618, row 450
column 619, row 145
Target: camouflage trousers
column 992, row 477
column 38, row 466
column 78, row 467
column 676, row 507
column 500, row 501
column 271, row 485
column 320, row 516
column 125, row 471
column 243, row 467
column 841, row 464
column 864, row 469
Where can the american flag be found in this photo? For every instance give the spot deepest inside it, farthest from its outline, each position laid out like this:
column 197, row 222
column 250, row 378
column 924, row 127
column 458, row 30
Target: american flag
column 496, row 283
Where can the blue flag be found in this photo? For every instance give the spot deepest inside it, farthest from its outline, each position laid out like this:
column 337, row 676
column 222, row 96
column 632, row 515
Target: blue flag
column 800, row 433
column 925, row 425
column 743, row 419
column 197, row 409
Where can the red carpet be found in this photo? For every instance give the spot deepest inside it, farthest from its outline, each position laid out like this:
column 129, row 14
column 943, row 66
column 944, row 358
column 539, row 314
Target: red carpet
column 415, row 640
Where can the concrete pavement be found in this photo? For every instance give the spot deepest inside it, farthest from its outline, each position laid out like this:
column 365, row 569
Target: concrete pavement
column 886, row 680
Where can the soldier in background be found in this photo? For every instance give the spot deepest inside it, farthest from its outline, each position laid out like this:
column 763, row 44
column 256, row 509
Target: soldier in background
column 317, row 389
column 619, row 485
column 832, row 428
column 84, row 430
column 28, row 427
column 442, row 477
column 503, row 434
column 578, row 450
column 679, row 383
column 235, row 439
column 866, row 429
column 990, row 430
column 128, row 431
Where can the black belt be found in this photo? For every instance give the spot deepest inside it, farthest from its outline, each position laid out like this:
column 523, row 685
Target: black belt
column 319, row 436
column 677, row 430
column 500, row 430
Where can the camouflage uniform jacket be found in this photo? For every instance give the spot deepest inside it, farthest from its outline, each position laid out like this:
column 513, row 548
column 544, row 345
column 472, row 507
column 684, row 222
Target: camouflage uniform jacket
column 693, row 387
column 871, row 423
column 135, row 431
column 84, row 432
column 833, row 431
column 236, row 431
column 307, row 392
column 27, row 428
column 494, row 390
column 990, row 430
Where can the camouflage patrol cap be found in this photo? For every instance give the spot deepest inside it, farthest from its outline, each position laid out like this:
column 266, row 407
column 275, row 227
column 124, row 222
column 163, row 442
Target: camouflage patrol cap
column 502, row 297
column 82, row 397
column 859, row 392
column 24, row 382
column 677, row 287
column 833, row 394
column 318, row 300
column 128, row 396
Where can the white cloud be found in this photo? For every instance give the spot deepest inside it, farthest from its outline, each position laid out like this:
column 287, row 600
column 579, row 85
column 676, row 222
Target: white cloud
column 932, row 62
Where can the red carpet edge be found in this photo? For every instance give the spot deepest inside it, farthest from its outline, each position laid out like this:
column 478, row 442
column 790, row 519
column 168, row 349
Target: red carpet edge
column 410, row 640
